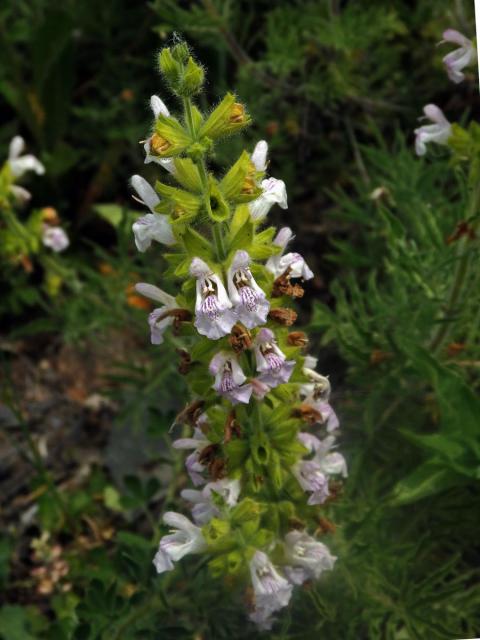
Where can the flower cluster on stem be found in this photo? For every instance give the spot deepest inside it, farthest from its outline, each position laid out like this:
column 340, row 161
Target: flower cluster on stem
column 262, row 458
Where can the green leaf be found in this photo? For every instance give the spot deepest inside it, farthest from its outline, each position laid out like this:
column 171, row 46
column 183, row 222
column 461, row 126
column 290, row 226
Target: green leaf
column 112, row 213
column 428, row 479
column 196, row 245
column 14, row 623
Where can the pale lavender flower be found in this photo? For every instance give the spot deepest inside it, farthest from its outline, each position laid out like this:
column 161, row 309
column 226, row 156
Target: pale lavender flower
column 458, row 59
column 21, row 164
column 213, row 315
column 307, row 557
column 259, row 388
column 159, row 108
column 185, row 538
column 272, row 591
column 312, row 479
column 438, row 132
column 248, row 299
column 272, row 364
column 55, row 238
column 193, row 465
column 318, row 389
column 329, row 462
column 292, row 262
column 161, row 318
column 204, row 508
column 273, row 192
column 152, row 226
column 259, row 156
column 229, row 378
column 283, row 237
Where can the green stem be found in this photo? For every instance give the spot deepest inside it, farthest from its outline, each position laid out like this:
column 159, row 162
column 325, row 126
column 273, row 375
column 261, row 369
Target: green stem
column 200, row 163
column 187, row 105
column 459, row 278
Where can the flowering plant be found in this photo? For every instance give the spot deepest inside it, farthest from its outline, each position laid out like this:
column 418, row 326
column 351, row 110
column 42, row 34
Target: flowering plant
column 262, row 454
column 40, row 234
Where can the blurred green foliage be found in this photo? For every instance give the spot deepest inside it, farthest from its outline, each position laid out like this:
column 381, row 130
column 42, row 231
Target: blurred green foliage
column 335, row 87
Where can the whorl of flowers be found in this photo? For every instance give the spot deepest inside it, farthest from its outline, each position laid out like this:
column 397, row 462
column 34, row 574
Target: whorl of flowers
column 261, row 451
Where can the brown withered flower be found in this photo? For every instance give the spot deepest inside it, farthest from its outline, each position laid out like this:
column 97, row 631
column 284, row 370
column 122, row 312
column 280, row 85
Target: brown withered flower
column 217, row 468
column 185, row 363
column 307, row 413
column 297, row 339
column 283, row 287
column 191, row 413
column 283, row 315
column 240, row 338
column 232, row 427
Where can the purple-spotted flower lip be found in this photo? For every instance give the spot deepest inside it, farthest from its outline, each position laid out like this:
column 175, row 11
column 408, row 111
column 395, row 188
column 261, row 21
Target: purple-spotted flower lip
column 213, row 316
column 229, row 378
column 272, row 365
column 438, row 132
column 458, row 59
column 248, row 299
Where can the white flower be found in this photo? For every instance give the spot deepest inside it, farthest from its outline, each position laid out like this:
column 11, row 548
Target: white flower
column 199, row 441
column 272, row 591
column 158, row 107
column 274, row 192
column 311, row 478
column 249, row 301
column 459, row 58
column 55, row 238
column 308, row 557
column 213, row 317
column 185, row 538
column 21, row 164
column 329, row 463
column 229, row 378
column 318, row 389
column 438, row 132
column 161, row 318
column 294, row 263
column 152, row 226
column 272, row 364
column 259, row 156
column 204, row 508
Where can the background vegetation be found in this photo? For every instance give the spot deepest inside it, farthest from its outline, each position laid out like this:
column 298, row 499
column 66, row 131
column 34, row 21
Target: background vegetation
column 87, row 468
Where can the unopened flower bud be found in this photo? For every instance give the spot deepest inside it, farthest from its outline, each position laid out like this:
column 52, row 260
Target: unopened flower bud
column 192, row 79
